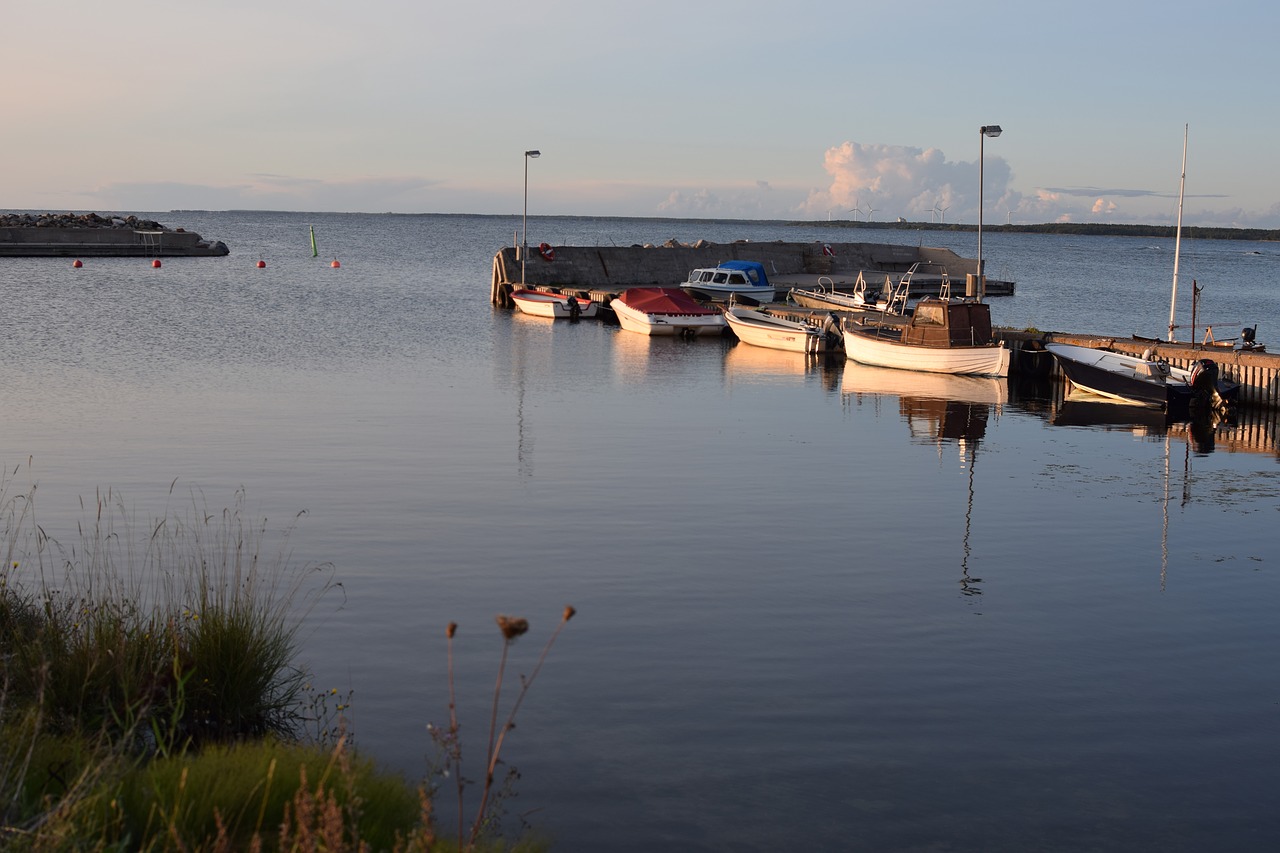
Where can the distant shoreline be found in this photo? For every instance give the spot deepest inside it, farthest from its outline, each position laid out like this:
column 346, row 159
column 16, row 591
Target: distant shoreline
column 1191, row 232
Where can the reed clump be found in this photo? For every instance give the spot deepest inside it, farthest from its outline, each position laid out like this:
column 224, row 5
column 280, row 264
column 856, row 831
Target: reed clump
column 150, row 699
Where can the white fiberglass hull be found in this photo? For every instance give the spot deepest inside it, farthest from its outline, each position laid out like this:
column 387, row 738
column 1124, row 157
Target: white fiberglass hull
column 655, row 324
column 764, row 330
column 866, row 348
column 553, row 305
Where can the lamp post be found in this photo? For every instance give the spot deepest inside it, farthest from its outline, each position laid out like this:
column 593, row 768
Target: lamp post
column 524, row 226
column 992, row 130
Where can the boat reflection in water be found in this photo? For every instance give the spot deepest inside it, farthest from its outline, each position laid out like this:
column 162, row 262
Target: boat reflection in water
column 1088, row 410
column 1200, row 433
column 939, row 409
column 745, row 363
column 935, row 405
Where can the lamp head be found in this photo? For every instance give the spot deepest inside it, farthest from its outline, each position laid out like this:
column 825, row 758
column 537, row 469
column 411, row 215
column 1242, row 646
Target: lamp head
column 539, row 153
column 990, row 130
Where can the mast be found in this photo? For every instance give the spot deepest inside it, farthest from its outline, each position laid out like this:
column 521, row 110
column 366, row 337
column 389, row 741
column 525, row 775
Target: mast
column 1177, row 240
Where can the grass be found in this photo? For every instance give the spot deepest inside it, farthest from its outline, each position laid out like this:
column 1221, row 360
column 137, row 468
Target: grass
column 186, row 640
column 150, row 699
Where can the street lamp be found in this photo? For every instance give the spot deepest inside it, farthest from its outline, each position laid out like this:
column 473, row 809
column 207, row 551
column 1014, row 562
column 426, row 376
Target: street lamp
column 992, row 130
column 524, row 227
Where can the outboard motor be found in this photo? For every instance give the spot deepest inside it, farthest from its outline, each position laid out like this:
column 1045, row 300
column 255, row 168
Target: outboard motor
column 575, row 310
column 1249, row 337
column 1204, row 386
column 1204, row 376
column 831, row 330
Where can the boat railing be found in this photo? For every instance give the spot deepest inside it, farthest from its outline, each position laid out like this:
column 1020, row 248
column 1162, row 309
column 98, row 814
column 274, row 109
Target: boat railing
column 944, row 280
column 897, row 302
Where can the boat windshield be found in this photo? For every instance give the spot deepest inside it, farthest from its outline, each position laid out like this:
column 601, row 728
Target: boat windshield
column 930, row 313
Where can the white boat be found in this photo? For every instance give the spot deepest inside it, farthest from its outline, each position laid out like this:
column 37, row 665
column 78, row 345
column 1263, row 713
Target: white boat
column 539, row 303
column 665, row 311
column 942, row 336
column 1148, row 380
column 860, row 299
column 761, row 329
column 735, row 279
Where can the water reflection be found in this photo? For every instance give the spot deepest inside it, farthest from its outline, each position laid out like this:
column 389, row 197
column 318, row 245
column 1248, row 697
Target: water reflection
column 744, row 362
column 1084, row 410
column 935, row 406
column 942, row 410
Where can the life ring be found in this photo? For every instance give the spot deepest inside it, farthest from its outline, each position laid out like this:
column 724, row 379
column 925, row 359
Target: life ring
column 828, row 251
column 547, row 251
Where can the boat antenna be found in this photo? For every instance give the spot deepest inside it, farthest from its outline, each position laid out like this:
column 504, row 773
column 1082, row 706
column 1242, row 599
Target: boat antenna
column 1177, row 240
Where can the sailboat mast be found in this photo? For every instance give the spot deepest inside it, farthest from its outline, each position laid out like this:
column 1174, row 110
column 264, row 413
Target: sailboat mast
column 1177, row 240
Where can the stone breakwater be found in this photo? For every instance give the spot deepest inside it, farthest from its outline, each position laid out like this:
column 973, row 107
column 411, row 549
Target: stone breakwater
column 77, row 220
column 90, row 234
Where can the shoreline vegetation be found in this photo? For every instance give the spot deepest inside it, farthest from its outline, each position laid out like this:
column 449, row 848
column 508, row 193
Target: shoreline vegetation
column 150, row 699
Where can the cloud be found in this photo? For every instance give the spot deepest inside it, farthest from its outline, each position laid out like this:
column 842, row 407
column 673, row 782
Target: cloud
column 1094, row 192
column 759, row 200
column 913, row 183
column 1119, row 192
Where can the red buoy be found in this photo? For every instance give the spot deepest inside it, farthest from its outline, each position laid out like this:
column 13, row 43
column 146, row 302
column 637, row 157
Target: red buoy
column 76, row 263
column 262, row 265
column 156, row 263
column 335, row 264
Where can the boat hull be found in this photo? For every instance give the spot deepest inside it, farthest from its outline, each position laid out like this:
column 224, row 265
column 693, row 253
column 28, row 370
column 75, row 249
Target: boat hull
column 1113, row 375
column 765, row 330
column 553, row 305
column 871, row 346
column 1131, row 379
column 665, row 312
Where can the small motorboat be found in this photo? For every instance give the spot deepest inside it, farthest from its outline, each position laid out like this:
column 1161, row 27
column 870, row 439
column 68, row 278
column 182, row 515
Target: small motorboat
column 736, row 279
column 889, row 302
column 762, row 329
column 665, row 311
column 1145, row 380
column 539, row 303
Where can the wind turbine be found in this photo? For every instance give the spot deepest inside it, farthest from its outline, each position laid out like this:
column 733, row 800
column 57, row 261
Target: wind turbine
column 870, row 210
column 942, row 214
column 855, row 210
column 933, row 211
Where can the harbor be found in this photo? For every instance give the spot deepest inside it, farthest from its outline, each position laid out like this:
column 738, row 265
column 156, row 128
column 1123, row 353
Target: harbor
column 1086, row 585
column 601, row 273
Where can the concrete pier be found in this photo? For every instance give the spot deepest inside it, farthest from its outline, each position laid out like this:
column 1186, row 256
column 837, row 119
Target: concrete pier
column 609, row 270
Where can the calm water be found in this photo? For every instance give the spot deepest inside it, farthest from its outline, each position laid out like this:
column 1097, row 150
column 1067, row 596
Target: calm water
column 819, row 607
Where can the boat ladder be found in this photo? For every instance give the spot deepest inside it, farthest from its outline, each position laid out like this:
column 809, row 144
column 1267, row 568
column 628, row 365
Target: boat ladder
column 897, row 303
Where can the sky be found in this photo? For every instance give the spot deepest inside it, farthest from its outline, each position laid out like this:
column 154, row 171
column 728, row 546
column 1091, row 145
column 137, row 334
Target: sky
column 719, row 109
